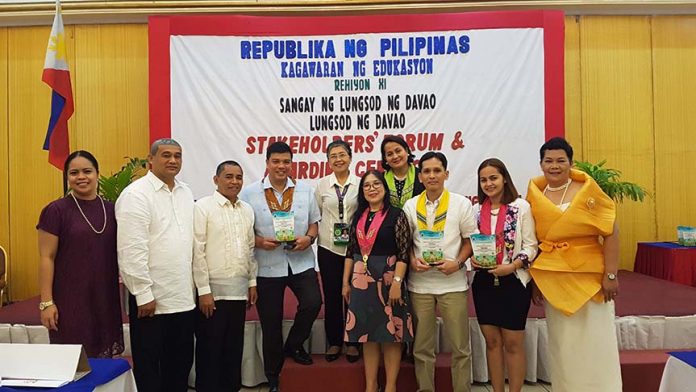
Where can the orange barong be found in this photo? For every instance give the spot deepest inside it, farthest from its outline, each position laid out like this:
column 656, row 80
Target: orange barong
column 570, row 266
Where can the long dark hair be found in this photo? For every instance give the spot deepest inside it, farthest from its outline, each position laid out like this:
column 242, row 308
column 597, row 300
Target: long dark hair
column 362, row 202
column 510, row 193
column 79, row 153
column 399, row 141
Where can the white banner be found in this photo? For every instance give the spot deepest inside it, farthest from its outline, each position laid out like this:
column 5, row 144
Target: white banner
column 472, row 94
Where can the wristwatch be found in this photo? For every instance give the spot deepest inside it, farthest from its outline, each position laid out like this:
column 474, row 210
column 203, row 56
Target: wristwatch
column 312, row 238
column 611, row 276
column 398, row 279
column 44, row 305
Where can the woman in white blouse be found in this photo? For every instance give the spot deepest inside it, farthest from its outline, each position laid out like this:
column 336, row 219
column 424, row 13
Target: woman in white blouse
column 502, row 294
column 337, row 197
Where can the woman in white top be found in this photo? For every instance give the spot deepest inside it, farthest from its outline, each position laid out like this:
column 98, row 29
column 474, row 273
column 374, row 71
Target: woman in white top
column 337, row 197
column 502, row 294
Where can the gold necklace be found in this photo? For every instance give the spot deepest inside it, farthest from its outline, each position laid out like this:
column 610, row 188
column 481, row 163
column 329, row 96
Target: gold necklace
column 87, row 220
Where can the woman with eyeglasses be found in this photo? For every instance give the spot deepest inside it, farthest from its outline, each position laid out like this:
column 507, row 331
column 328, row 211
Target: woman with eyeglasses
column 337, row 197
column 375, row 265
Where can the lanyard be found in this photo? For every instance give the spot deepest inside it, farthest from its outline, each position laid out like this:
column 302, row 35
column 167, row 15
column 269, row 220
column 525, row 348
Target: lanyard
column 341, row 196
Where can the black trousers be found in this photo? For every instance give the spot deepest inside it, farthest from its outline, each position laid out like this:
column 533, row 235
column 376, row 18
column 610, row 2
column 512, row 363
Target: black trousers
column 331, row 270
column 219, row 345
column 162, row 348
column 270, row 307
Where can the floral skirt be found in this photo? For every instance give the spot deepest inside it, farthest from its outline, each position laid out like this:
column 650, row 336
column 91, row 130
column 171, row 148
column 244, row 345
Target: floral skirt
column 370, row 316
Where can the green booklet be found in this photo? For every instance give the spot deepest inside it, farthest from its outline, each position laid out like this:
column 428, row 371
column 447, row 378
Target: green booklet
column 484, row 250
column 431, row 247
column 284, row 226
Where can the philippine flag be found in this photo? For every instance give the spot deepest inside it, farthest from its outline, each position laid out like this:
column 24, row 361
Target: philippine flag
column 57, row 76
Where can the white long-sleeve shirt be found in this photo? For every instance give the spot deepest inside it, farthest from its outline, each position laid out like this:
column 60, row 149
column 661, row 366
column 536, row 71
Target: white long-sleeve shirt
column 155, row 243
column 223, row 256
column 327, row 200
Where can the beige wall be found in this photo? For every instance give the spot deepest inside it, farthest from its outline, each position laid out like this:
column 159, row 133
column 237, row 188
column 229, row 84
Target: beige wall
column 108, row 66
column 629, row 87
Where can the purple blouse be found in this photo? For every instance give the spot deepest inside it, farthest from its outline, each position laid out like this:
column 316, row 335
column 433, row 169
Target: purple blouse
column 85, row 279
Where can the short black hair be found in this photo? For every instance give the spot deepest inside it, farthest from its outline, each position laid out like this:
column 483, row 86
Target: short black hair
column 430, row 155
column 556, row 143
column 338, row 143
column 222, row 165
column 399, row 141
column 278, row 148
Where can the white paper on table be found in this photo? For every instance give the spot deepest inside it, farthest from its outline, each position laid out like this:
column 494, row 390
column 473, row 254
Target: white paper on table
column 22, row 382
column 678, row 376
column 42, row 365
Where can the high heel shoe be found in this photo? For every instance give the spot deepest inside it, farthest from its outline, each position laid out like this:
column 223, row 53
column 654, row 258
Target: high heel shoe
column 352, row 358
column 330, row 357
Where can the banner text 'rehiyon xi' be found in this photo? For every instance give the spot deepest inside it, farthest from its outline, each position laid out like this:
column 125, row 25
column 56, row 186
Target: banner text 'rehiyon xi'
column 473, row 86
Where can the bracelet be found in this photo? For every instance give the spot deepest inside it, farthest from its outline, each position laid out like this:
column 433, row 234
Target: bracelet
column 524, row 258
column 45, row 305
column 461, row 264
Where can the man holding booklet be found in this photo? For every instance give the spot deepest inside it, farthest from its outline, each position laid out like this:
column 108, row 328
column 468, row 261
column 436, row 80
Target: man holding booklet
column 286, row 224
column 441, row 222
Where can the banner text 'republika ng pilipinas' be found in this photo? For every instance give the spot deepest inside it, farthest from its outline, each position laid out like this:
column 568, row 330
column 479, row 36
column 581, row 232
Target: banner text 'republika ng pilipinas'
column 473, row 86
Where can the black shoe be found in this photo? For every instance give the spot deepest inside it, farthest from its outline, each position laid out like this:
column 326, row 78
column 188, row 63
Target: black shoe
column 334, row 356
column 273, row 388
column 300, row 356
column 352, row 358
column 408, row 357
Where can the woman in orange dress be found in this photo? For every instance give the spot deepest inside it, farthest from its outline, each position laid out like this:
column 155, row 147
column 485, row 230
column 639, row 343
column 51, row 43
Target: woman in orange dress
column 575, row 273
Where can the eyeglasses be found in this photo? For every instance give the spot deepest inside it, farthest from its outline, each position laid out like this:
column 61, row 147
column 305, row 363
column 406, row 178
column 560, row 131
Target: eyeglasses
column 333, row 157
column 374, row 185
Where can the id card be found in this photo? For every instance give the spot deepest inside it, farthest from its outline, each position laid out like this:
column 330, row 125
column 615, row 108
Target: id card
column 484, row 250
column 284, row 226
column 340, row 234
column 432, row 246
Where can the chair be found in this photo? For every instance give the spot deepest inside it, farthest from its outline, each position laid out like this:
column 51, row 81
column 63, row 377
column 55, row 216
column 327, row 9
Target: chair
column 4, row 292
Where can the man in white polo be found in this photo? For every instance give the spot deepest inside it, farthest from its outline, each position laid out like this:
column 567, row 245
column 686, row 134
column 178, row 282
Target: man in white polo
column 155, row 251
column 441, row 222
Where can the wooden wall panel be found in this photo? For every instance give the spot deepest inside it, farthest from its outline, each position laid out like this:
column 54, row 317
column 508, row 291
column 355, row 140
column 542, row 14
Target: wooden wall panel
column 111, row 93
column 618, row 84
column 617, row 113
column 32, row 181
column 4, row 150
column 573, row 86
column 674, row 65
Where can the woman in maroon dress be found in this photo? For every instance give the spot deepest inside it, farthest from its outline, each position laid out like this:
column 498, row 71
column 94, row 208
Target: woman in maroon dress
column 78, row 270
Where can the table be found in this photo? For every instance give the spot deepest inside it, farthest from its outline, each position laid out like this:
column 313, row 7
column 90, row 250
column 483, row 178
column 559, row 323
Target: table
column 107, row 375
column 668, row 261
column 680, row 372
